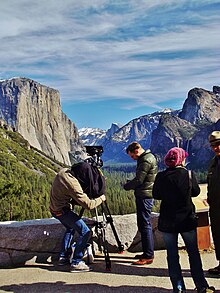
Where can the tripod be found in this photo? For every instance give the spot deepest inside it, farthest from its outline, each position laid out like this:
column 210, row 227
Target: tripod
column 100, row 226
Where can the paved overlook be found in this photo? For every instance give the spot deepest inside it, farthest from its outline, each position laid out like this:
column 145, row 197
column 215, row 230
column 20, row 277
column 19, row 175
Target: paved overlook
column 45, row 277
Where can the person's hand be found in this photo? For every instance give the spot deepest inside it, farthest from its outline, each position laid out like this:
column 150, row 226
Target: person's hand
column 103, row 197
column 205, row 202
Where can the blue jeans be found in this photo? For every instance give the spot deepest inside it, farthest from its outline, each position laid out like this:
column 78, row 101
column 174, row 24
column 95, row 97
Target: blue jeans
column 74, row 223
column 66, row 243
column 190, row 240
column 144, row 207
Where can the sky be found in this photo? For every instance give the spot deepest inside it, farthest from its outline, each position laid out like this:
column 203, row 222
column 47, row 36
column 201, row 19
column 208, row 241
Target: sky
column 112, row 61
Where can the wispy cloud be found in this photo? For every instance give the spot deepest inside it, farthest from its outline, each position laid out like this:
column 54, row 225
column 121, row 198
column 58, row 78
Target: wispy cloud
column 143, row 52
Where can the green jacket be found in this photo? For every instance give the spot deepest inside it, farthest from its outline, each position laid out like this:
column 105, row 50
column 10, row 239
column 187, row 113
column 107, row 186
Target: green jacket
column 146, row 172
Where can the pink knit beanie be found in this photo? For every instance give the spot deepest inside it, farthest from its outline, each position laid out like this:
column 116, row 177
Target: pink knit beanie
column 175, row 157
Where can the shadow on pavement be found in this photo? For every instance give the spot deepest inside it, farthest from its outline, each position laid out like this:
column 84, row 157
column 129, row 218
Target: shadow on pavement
column 87, row 288
column 120, row 266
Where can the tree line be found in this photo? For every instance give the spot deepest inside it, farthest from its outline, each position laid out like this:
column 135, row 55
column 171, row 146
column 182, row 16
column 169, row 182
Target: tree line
column 26, row 175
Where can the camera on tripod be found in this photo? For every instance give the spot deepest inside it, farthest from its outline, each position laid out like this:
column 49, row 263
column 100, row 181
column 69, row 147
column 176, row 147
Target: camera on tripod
column 92, row 182
column 95, row 153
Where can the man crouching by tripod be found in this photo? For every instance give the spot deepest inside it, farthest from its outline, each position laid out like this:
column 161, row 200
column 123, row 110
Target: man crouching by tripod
column 65, row 192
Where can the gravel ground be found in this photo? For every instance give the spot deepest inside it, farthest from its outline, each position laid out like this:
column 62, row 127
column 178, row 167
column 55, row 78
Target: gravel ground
column 123, row 277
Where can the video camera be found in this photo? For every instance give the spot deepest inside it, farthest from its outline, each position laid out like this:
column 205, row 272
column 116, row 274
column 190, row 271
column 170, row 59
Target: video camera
column 95, row 153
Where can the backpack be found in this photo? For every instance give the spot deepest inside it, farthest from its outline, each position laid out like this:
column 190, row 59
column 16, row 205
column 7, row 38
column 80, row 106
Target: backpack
column 90, row 178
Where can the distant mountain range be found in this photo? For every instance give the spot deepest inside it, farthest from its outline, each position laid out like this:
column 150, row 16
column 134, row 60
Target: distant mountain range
column 116, row 139
column 34, row 111
column 188, row 128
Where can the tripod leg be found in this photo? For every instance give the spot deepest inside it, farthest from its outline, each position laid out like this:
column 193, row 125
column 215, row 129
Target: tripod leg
column 110, row 220
column 102, row 242
column 120, row 245
column 105, row 249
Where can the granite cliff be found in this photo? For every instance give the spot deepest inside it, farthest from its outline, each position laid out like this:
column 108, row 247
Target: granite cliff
column 34, row 111
column 201, row 106
column 190, row 129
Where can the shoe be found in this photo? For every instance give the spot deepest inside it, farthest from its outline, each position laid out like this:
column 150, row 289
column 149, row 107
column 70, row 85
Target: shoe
column 88, row 256
column 214, row 271
column 80, row 267
column 143, row 261
column 206, row 290
column 62, row 261
column 210, row 289
column 139, row 256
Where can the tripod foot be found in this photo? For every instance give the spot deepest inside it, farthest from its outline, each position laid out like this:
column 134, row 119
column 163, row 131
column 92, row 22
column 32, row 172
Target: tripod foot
column 121, row 248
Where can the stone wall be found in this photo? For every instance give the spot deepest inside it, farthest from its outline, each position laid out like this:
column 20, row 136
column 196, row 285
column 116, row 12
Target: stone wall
column 39, row 240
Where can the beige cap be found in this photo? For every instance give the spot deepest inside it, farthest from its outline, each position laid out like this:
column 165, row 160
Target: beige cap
column 214, row 138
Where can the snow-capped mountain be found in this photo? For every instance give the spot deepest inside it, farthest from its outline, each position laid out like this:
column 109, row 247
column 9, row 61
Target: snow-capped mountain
column 162, row 130
column 91, row 136
column 116, row 139
column 96, row 136
column 139, row 129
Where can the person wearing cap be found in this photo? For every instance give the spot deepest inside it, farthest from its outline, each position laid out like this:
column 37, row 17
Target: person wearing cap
column 142, row 184
column 73, row 187
column 213, row 196
column 174, row 187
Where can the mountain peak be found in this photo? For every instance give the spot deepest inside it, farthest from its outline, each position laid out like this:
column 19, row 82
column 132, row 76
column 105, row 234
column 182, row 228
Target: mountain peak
column 34, row 111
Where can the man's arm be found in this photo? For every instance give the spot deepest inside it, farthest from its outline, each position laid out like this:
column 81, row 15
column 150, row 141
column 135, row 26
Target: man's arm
column 141, row 174
column 79, row 196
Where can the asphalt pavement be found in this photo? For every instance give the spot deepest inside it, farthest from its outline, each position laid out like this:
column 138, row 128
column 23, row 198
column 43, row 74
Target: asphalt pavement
column 123, row 277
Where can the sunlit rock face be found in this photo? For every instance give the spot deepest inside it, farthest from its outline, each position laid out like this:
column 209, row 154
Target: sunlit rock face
column 201, row 106
column 34, row 111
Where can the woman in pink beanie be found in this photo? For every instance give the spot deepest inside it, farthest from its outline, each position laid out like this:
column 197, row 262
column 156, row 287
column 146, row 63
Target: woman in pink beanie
column 173, row 188
column 175, row 157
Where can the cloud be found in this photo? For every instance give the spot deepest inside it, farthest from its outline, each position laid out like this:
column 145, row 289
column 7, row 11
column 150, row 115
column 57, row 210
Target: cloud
column 142, row 52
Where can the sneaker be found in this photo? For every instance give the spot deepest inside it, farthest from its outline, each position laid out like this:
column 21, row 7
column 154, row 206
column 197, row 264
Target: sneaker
column 80, row 267
column 62, row 261
column 214, row 271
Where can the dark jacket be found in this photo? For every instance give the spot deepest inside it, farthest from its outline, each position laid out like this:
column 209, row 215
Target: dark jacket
column 214, row 185
column 214, row 201
column 177, row 209
column 146, row 172
column 66, row 190
column 90, row 178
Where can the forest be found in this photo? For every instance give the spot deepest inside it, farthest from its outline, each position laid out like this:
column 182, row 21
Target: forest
column 26, row 175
